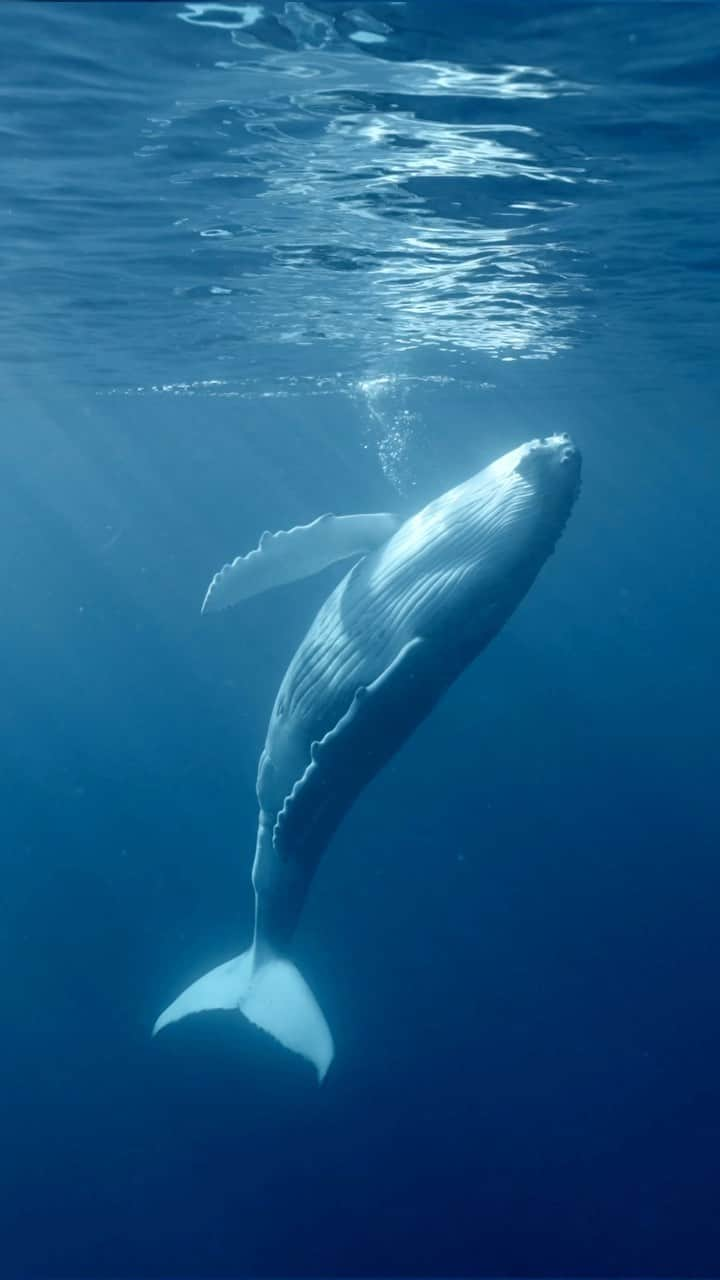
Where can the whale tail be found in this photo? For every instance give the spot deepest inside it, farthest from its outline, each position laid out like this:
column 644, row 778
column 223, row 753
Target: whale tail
column 272, row 994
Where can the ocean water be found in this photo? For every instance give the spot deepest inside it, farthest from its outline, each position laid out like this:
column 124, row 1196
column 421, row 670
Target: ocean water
column 262, row 261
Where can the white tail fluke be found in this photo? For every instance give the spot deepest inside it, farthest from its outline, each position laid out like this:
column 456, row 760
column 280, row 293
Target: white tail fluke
column 270, row 993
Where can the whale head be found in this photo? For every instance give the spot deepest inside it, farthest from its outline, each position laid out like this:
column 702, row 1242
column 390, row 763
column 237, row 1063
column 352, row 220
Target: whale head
column 552, row 464
column 492, row 533
column 516, row 509
column 536, row 483
column 551, row 468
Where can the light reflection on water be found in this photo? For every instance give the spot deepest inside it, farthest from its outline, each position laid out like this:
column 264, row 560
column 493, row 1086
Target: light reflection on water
column 231, row 190
column 356, row 211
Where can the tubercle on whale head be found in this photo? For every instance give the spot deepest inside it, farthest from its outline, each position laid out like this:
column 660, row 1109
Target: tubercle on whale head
column 550, row 462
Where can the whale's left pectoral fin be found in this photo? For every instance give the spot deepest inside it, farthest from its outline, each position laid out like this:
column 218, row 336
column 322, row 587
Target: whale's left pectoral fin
column 380, row 717
column 297, row 553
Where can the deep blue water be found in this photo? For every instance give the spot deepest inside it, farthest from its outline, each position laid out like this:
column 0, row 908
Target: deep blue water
column 263, row 261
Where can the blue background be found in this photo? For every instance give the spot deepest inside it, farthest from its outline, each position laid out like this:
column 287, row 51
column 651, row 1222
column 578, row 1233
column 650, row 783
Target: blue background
column 487, row 223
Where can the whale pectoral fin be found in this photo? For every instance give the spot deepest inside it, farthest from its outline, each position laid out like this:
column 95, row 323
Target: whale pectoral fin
column 380, row 717
column 297, row 553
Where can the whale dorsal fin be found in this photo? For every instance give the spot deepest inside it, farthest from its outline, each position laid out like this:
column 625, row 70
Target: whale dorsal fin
column 380, row 717
column 297, row 553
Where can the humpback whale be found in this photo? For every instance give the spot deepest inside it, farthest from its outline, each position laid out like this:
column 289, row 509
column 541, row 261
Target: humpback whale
column 423, row 597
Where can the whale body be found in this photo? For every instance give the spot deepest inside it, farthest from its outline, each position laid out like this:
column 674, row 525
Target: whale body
column 427, row 596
